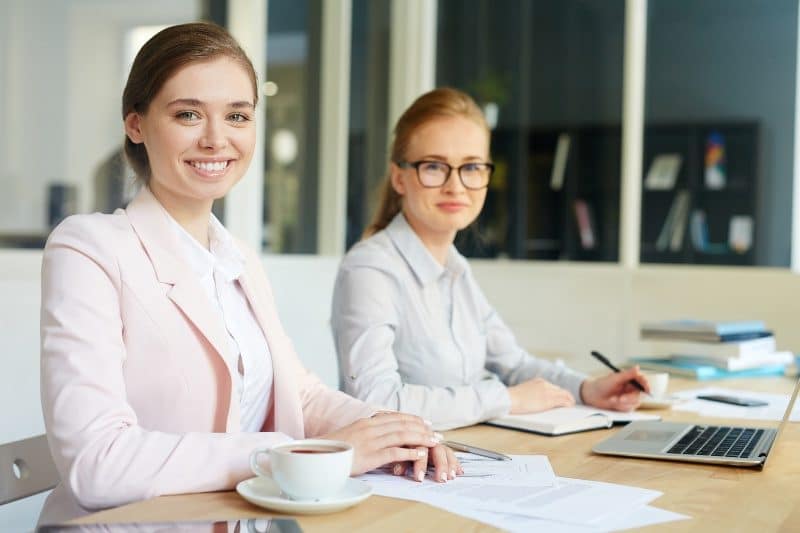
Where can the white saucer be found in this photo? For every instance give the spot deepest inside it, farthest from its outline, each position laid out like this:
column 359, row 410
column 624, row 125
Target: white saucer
column 662, row 402
column 264, row 492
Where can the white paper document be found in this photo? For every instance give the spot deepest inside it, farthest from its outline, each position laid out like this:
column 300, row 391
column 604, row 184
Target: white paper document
column 522, row 492
column 773, row 411
column 524, row 470
column 641, row 516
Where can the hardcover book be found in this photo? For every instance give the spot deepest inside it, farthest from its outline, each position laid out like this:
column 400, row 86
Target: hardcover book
column 739, row 363
column 703, row 371
column 718, row 350
column 703, row 326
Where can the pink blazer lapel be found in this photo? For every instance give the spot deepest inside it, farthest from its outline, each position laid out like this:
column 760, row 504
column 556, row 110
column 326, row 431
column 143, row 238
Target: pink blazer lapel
column 287, row 409
column 149, row 221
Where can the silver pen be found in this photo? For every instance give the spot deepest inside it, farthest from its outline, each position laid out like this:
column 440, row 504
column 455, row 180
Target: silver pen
column 477, row 451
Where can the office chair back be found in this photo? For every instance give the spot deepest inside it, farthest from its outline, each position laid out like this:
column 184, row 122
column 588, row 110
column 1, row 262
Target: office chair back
column 27, row 469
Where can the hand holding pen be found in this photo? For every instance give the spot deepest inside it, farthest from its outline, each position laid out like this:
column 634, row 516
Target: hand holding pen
column 618, row 391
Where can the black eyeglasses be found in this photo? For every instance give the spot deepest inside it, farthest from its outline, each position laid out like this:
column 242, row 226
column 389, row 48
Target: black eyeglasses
column 431, row 173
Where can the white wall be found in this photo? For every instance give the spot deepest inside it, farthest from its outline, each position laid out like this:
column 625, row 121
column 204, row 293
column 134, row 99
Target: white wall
column 20, row 414
column 303, row 288
column 567, row 309
column 19, row 333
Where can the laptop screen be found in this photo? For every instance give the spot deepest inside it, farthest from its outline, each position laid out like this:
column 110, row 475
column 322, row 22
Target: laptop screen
column 786, row 416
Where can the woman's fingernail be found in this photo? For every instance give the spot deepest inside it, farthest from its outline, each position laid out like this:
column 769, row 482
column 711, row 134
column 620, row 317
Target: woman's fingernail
column 420, row 476
column 421, row 453
column 398, row 469
column 427, row 422
column 434, row 440
column 452, row 474
column 443, row 477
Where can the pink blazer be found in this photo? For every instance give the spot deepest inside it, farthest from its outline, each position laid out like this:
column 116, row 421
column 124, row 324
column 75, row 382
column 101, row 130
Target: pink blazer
column 136, row 396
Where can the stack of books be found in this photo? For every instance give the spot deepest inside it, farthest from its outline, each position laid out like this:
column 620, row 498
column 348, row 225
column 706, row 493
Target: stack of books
column 713, row 350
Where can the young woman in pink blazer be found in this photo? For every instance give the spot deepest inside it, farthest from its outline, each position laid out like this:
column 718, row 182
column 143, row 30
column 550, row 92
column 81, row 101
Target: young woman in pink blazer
column 164, row 363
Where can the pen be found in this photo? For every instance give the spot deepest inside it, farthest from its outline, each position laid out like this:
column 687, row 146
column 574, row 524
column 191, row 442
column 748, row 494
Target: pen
column 600, row 357
column 477, row 451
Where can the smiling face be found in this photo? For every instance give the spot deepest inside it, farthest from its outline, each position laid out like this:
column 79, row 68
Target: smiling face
column 436, row 214
column 199, row 133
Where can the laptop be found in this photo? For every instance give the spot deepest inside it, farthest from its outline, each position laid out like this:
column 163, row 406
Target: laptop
column 697, row 443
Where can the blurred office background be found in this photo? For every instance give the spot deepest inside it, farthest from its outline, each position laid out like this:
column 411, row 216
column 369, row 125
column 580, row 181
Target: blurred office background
column 717, row 143
column 645, row 151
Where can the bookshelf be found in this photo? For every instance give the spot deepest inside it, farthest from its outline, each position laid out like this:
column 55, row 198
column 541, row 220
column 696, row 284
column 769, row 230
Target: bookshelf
column 716, row 204
column 535, row 212
column 556, row 194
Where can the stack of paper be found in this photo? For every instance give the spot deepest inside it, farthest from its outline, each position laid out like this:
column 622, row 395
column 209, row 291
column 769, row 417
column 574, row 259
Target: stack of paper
column 524, row 493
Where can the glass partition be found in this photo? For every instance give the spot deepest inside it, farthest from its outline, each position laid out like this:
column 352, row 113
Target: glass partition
column 549, row 77
column 719, row 132
column 292, row 126
column 62, row 69
column 369, row 128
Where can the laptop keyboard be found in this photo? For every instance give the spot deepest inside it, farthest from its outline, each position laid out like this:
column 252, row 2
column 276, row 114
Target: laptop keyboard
column 718, row 441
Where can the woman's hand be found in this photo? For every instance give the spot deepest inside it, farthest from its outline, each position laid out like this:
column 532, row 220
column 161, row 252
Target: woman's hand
column 443, row 460
column 614, row 391
column 387, row 438
column 537, row 395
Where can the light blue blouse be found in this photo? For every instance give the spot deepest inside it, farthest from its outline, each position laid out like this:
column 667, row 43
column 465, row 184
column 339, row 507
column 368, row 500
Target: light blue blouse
column 414, row 336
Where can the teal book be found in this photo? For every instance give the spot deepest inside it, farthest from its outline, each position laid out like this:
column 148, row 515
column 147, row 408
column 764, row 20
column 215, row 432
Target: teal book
column 703, row 372
column 709, row 327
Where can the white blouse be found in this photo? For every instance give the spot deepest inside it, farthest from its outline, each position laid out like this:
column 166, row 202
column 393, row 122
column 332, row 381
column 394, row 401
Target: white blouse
column 418, row 337
column 248, row 360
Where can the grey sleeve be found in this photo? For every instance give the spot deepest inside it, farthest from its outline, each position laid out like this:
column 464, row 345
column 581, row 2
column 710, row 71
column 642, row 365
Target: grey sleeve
column 506, row 358
column 365, row 318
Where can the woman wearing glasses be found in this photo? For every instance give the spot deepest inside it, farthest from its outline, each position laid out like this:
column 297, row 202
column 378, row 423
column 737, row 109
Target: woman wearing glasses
column 413, row 330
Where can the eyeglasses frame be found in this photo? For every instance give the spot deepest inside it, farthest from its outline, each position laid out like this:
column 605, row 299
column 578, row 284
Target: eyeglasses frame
column 416, row 164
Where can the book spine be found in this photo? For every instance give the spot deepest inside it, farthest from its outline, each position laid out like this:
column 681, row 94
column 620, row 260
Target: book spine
column 706, row 372
column 583, row 217
column 679, row 226
column 560, row 162
column 722, row 350
column 702, row 337
column 734, row 364
column 715, row 328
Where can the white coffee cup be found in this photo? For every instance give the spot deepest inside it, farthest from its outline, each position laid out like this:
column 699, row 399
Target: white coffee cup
column 658, row 383
column 310, row 469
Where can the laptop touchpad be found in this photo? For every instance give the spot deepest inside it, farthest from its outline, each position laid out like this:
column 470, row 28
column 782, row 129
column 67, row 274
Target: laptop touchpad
column 650, row 435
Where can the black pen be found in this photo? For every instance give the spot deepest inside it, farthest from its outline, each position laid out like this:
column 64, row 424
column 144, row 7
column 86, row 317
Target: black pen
column 600, row 357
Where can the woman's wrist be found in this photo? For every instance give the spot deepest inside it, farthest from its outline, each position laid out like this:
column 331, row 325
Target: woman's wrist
column 583, row 391
column 513, row 397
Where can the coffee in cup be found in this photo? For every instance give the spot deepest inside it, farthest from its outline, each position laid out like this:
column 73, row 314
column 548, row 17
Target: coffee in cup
column 311, row 469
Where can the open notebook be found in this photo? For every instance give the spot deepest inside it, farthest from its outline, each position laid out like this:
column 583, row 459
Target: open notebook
column 563, row 420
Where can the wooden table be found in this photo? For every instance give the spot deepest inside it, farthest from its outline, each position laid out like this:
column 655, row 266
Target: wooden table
column 717, row 498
